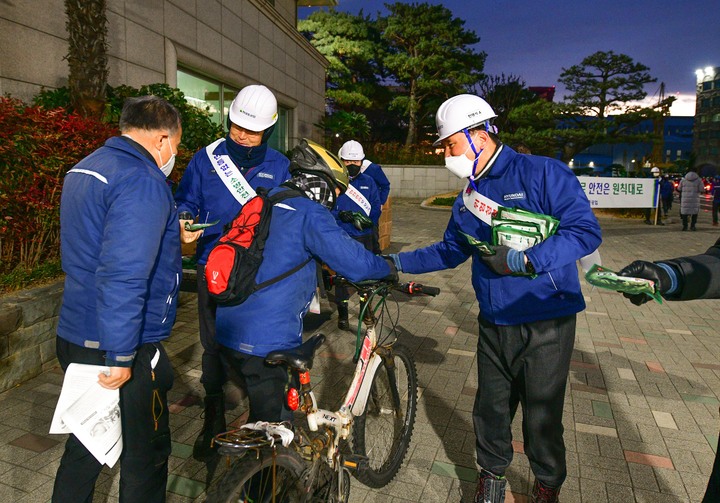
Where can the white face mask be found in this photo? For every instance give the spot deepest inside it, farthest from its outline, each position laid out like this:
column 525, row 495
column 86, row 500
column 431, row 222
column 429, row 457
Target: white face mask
column 460, row 165
column 168, row 166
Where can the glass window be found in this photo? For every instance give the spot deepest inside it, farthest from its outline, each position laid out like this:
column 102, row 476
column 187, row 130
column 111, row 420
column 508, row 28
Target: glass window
column 707, row 85
column 208, row 94
column 216, row 97
column 280, row 138
column 200, row 92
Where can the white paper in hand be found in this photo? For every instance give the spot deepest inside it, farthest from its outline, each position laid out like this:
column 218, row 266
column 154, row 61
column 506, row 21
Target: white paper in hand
column 90, row 412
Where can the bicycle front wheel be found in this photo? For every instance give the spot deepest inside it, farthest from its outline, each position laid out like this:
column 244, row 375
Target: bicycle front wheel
column 266, row 475
column 382, row 433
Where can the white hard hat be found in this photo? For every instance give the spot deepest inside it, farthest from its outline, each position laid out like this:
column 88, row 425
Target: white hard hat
column 351, row 151
column 254, row 108
column 655, row 170
column 461, row 112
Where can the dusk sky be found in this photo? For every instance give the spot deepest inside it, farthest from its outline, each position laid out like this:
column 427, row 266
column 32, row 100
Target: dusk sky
column 535, row 40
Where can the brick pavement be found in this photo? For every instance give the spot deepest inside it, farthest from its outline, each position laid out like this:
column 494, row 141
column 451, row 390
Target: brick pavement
column 641, row 418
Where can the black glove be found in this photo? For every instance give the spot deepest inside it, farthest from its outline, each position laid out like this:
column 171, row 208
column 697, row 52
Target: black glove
column 646, row 270
column 497, row 262
column 346, row 216
column 393, row 276
column 361, row 222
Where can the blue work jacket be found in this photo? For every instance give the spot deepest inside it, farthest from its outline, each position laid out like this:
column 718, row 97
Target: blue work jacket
column 272, row 318
column 366, row 186
column 541, row 185
column 375, row 172
column 120, row 244
column 203, row 193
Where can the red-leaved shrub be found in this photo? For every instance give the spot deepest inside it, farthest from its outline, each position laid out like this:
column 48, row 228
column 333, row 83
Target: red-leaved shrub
column 37, row 148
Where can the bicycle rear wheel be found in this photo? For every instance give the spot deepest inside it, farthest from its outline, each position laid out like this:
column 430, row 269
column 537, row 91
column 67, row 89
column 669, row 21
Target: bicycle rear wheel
column 382, row 433
column 250, row 478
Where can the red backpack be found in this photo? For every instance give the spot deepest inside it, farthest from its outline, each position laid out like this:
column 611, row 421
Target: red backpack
column 234, row 261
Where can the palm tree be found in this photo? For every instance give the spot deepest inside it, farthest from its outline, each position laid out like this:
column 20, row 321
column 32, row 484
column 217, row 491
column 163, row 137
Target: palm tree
column 87, row 55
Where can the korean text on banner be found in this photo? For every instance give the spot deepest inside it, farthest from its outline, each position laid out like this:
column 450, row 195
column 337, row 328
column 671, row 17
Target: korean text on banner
column 620, row 192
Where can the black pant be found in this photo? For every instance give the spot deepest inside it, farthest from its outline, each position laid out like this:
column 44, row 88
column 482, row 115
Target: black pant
column 716, row 206
column 693, row 220
column 526, row 364
column 266, row 385
column 667, row 204
column 342, row 293
column 213, row 372
column 144, row 459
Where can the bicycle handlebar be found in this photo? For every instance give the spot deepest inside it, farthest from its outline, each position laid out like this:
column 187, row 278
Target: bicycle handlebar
column 410, row 288
column 413, row 288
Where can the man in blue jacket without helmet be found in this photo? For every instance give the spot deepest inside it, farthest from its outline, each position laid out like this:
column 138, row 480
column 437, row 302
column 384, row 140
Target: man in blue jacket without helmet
column 528, row 298
column 120, row 246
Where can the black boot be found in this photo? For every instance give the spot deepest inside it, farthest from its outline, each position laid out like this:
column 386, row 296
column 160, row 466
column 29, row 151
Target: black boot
column 490, row 488
column 213, row 424
column 343, row 323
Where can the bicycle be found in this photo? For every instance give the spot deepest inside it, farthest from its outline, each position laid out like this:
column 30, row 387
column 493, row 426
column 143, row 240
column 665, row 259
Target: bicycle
column 274, row 463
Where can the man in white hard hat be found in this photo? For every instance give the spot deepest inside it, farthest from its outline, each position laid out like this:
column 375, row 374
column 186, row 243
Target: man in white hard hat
column 216, row 184
column 529, row 295
column 357, row 212
column 655, row 173
column 352, row 154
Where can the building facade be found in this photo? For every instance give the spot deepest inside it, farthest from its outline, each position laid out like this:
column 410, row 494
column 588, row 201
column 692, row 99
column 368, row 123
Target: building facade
column 677, row 145
column 208, row 48
column 707, row 121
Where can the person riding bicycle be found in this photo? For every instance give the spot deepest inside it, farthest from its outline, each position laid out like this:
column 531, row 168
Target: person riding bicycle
column 271, row 319
column 357, row 212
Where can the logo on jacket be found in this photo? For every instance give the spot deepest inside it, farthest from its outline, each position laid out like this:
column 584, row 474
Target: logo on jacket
column 266, row 175
column 514, row 196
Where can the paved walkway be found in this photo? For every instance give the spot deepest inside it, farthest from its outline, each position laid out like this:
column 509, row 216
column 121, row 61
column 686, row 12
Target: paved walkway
column 641, row 413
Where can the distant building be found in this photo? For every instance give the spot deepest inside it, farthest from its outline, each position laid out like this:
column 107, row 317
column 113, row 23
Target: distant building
column 677, row 145
column 707, row 121
column 207, row 48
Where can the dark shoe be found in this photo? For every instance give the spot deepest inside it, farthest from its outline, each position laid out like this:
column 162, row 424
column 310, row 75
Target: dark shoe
column 343, row 323
column 684, row 228
column 715, row 224
column 490, row 488
column 648, row 222
column 544, row 494
column 693, row 229
column 213, row 424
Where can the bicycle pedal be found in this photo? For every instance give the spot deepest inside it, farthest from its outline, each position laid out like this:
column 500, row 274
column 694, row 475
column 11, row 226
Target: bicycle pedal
column 355, row 462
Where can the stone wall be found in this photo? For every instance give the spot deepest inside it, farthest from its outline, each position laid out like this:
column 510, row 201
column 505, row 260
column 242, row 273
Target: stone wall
column 27, row 333
column 421, row 181
column 28, row 322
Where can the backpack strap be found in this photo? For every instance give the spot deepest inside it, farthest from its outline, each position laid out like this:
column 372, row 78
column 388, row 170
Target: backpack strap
column 284, row 275
column 272, row 200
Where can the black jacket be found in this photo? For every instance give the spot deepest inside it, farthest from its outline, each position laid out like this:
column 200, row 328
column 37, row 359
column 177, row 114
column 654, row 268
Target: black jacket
column 698, row 276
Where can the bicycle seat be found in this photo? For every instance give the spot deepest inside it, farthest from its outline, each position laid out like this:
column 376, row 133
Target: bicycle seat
column 301, row 357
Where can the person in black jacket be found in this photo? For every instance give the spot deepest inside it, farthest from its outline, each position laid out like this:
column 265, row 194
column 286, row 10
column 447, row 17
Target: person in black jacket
column 684, row 278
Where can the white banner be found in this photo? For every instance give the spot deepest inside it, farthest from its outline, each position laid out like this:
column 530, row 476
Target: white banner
column 620, row 192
